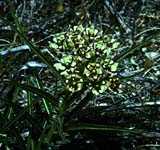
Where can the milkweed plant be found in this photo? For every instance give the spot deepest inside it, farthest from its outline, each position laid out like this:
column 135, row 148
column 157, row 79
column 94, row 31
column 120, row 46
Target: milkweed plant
column 85, row 58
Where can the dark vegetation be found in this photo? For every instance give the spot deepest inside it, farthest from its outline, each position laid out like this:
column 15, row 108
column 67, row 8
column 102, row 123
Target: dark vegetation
column 78, row 74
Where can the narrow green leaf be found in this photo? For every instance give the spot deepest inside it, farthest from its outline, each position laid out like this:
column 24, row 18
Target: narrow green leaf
column 20, row 32
column 101, row 128
column 37, row 91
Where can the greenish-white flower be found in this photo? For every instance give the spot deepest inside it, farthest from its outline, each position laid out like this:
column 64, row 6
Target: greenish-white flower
column 53, row 45
column 66, row 59
column 114, row 67
column 59, row 66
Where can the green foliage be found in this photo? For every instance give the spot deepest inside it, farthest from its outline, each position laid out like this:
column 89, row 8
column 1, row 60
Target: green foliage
column 85, row 57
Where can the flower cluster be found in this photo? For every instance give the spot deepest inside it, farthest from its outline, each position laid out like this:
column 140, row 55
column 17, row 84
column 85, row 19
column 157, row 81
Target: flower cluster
column 84, row 57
